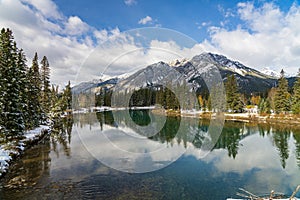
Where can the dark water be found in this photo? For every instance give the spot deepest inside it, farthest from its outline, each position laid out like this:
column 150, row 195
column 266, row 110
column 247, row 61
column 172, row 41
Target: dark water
column 259, row 158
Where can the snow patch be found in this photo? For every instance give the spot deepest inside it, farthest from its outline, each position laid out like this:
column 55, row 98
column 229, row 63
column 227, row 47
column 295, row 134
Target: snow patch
column 12, row 148
column 269, row 72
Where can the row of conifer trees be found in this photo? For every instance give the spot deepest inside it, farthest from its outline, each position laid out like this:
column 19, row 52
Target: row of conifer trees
column 26, row 95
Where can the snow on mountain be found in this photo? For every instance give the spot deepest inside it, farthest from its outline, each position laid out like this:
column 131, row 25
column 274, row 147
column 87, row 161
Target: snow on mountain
column 275, row 74
column 270, row 72
column 249, row 80
column 104, row 77
column 192, row 70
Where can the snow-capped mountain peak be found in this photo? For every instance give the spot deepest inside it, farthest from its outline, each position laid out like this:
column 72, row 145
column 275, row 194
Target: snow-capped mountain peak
column 270, row 72
column 230, row 65
column 275, row 74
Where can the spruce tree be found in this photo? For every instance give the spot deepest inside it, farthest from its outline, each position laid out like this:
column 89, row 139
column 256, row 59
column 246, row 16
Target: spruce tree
column 67, row 98
column 45, row 98
column 23, row 86
column 11, row 118
column 296, row 96
column 34, row 93
column 282, row 96
column 233, row 99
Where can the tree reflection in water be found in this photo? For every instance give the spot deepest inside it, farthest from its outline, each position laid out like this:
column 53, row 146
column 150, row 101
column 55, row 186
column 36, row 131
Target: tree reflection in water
column 296, row 135
column 193, row 131
column 281, row 136
column 61, row 134
column 27, row 172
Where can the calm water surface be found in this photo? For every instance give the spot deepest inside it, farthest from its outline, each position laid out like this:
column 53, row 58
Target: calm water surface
column 259, row 158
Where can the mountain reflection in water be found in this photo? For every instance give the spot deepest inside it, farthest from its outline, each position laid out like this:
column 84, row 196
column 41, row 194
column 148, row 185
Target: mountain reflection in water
column 256, row 157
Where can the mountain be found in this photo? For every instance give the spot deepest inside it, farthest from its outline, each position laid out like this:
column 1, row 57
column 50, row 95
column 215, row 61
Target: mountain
column 271, row 72
column 249, row 80
column 194, row 71
column 85, row 87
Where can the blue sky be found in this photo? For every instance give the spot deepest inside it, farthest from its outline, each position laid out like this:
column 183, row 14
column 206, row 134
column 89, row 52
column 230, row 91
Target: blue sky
column 260, row 34
column 192, row 17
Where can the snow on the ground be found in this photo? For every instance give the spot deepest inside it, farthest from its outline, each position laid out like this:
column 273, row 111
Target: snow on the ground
column 106, row 108
column 10, row 149
column 4, row 159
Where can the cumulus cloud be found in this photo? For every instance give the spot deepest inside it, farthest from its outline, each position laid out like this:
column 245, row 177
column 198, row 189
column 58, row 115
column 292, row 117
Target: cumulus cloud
column 145, row 20
column 46, row 7
column 37, row 27
column 269, row 37
column 75, row 26
column 266, row 37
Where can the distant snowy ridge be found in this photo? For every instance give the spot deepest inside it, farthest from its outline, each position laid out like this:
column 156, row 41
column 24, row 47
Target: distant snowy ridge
column 270, row 72
column 250, row 80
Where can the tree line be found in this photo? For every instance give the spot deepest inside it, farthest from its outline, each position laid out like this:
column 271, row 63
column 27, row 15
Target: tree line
column 27, row 99
column 279, row 99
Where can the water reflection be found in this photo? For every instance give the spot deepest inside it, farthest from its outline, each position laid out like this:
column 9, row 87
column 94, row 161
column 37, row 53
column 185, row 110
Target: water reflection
column 296, row 136
column 258, row 158
column 26, row 174
column 61, row 135
column 194, row 131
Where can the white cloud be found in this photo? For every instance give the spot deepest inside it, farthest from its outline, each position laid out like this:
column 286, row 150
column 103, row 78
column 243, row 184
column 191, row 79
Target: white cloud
column 130, row 2
column 47, row 7
column 75, row 26
column 145, row 20
column 270, row 38
column 37, row 27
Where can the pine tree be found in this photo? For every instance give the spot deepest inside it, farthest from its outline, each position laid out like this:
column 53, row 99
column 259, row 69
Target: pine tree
column 11, row 118
column 282, row 96
column 232, row 95
column 23, row 86
column 67, row 98
column 45, row 98
column 264, row 106
column 34, row 91
column 296, row 96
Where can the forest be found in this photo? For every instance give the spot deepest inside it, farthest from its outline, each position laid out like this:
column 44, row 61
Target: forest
column 28, row 99
column 279, row 99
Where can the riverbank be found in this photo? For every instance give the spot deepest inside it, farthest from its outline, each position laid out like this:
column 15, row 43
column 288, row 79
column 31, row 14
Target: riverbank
column 11, row 150
column 290, row 119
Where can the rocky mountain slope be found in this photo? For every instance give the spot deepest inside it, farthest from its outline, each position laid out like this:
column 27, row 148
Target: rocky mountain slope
column 198, row 72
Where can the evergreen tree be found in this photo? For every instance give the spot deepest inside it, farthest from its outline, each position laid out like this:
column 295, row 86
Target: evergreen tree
column 232, row 95
column 296, row 96
column 282, row 96
column 45, row 98
column 264, row 106
column 67, row 98
column 54, row 96
column 34, row 91
column 11, row 118
column 23, row 86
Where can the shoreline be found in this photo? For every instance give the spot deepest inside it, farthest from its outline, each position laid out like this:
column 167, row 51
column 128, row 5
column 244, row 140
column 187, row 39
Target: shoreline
column 287, row 119
column 10, row 151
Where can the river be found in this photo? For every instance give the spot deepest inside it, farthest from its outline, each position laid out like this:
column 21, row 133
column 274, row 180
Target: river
column 122, row 155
